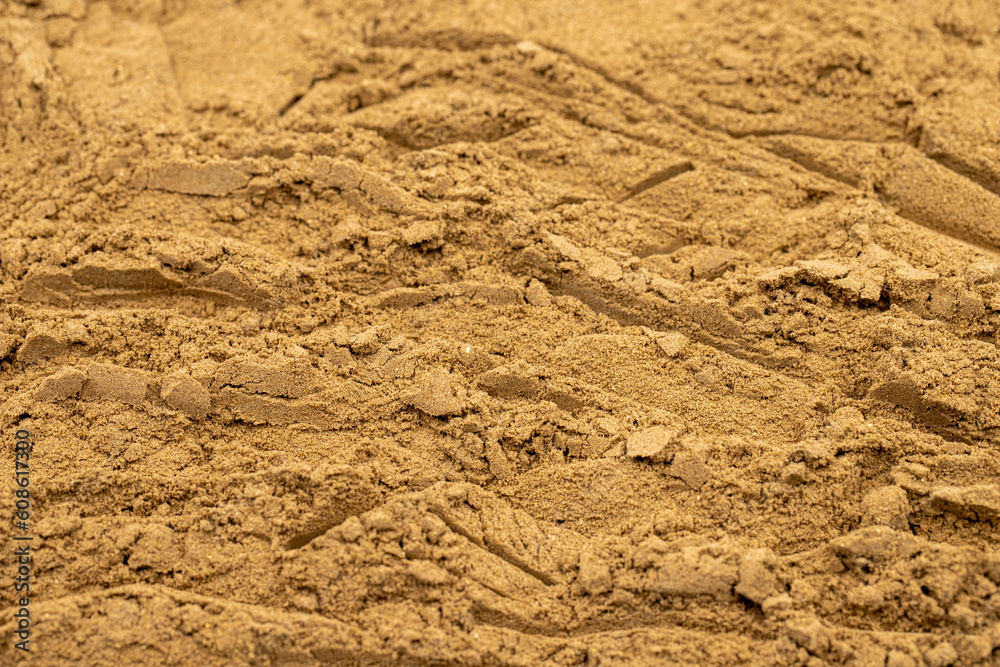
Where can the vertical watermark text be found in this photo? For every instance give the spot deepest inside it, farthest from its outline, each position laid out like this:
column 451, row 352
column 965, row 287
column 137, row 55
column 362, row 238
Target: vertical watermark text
column 22, row 539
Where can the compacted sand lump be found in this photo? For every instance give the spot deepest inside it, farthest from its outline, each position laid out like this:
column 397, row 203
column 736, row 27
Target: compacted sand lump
column 521, row 332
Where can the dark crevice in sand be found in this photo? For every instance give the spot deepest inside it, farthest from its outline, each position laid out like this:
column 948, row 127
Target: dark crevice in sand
column 659, row 177
column 497, row 550
column 988, row 180
column 584, row 63
column 448, row 39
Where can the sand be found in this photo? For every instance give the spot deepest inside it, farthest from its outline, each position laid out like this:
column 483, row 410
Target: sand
column 500, row 333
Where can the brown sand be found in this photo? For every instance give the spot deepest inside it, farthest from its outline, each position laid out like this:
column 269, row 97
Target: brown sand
column 524, row 332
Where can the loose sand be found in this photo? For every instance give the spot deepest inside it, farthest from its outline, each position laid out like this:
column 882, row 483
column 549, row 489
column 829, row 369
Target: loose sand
column 524, row 332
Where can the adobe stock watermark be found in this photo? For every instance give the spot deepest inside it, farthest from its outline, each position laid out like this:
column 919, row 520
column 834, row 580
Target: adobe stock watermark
column 22, row 540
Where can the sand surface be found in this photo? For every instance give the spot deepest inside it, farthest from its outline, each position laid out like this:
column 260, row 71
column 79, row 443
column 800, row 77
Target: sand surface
column 515, row 332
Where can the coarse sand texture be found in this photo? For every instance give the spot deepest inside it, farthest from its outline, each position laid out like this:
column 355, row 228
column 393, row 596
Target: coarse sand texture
column 529, row 333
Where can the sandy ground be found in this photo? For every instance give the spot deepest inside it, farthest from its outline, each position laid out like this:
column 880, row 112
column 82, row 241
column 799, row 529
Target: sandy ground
column 524, row 332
